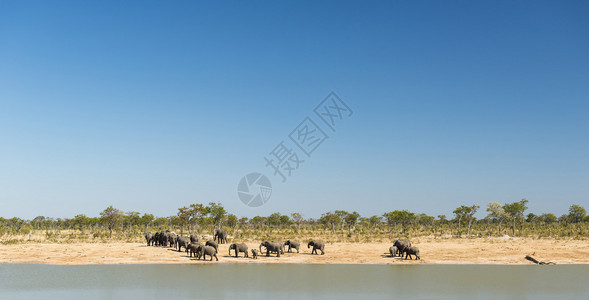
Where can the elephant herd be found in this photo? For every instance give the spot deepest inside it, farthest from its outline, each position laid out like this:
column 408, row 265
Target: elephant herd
column 402, row 247
column 193, row 247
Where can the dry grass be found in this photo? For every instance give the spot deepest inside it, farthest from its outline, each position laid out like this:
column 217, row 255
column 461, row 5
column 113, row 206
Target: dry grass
column 433, row 251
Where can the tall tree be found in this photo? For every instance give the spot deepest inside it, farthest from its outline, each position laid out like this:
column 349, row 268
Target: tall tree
column 396, row 217
column 374, row 221
column 465, row 213
column 285, row 220
column 146, row 220
column 81, row 221
column 217, row 213
column 577, row 213
column 548, row 218
column 515, row 211
column 184, row 214
column 342, row 214
column 331, row 219
column 351, row 220
column 197, row 212
column 232, row 222
column 298, row 219
column 132, row 218
column 111, row 217
column 273, row 220
column 496, row 212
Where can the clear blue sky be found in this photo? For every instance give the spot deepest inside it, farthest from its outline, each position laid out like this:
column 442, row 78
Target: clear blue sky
column 151, row 105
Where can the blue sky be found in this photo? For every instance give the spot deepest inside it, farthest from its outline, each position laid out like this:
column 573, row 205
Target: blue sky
column 150, row 106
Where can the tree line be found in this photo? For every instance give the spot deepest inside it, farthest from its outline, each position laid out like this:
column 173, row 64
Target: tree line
column 200, row 218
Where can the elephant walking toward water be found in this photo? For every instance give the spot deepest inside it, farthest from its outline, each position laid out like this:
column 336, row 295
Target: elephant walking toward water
column 411, row 251
column 292, row 244
column 206, row 250
column 272, row 247
column 238, row 248
column 317, row 245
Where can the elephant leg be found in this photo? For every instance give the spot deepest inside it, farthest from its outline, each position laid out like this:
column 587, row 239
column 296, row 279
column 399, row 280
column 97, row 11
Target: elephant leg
column 322, row 252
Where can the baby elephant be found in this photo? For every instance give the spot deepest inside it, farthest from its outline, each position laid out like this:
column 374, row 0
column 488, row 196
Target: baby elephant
column 255, row 253
column 292, row 244
column 316, row 245
column 412, row 251
column 207, row 250
column 238, row 248
column 393, row 251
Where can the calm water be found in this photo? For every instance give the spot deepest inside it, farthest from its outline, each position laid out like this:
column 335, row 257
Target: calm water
column 222, row 281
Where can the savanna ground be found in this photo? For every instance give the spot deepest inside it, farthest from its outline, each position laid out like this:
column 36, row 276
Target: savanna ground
column 434, row 250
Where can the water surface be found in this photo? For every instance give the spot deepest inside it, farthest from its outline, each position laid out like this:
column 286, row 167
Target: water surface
column 289, row 281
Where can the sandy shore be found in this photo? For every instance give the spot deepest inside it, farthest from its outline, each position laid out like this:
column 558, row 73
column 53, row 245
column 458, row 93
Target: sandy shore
column 433, row 251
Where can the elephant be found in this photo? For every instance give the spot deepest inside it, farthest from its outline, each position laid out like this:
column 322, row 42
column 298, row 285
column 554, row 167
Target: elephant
column 182, row 241
column 157, row 238
column 220, row 236
column 393, row 251
column 168, row 239
column 148, row 238
column 212, row 244
column 280, row 246
column 317, row 245
column 255, row 253
column 292, row 244
column 272, row 247
column 192, row 249
column 162, row 238
column 193, row 238
column 206, row 250
column 238, row 248
column 411, row 251
column 172, row 238
column 401, row 244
